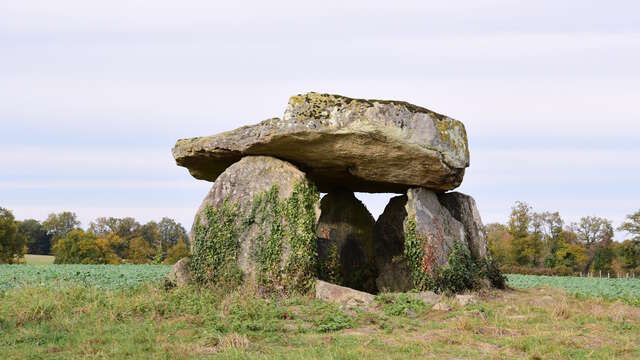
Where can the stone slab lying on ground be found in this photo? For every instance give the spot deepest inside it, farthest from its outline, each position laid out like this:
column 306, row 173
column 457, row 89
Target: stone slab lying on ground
column 339, row 142
column 467, row 299
column 342, row 295
column 441, row 307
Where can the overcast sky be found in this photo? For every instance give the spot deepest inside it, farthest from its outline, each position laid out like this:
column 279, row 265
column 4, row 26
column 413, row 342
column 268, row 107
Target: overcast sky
column 94, row 94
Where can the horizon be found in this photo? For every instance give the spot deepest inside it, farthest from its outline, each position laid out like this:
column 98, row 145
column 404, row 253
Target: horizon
column 95, row 96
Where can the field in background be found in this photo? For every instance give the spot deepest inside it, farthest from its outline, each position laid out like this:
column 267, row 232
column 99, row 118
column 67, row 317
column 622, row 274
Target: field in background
column 39, row 259
column 627, row 290
column 99, row 276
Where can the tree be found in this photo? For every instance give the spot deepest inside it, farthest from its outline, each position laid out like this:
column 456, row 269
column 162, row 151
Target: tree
column 12, row 243
column 593, row 230
column 150, row 232
column 171, row 232
column 520, row 220
column 499, row 241
column 632, row 225
column 629, row 254
column 595, row 233
column 59, row 225
column 549, row 227
column 572, row 256
column 117, row 244
column 126, row 228
column 79, row 247
column 140, row 252
column 106, row 245
column 603, row 259
column 36, row 237
column 526, row 247
column 176, row 252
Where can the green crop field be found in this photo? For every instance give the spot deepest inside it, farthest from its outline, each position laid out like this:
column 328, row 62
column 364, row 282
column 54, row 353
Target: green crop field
column 100, row 276
column 627, row 290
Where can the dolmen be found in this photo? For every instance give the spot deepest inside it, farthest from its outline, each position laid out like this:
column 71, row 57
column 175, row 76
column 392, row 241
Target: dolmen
column 264, row 221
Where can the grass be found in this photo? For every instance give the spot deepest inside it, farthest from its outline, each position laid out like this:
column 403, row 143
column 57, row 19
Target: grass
column 39, row 259
column 74, row 322
column 125, row 312
column 627, row 290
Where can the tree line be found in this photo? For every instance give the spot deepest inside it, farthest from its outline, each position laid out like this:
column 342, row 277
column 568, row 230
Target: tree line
column 108, row 240
column 542, row 243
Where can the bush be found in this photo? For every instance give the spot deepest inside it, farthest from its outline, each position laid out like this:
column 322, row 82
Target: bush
column 462, row 272
column 494, row 274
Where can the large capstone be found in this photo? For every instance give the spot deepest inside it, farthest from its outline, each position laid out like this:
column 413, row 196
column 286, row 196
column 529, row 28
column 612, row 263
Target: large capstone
column 257, row 224
column 463, row 208
column 345, row 241
column 339, row 142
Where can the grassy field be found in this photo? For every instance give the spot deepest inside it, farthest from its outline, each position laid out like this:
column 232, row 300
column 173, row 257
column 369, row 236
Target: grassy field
column 125, row 321
column 39, row 259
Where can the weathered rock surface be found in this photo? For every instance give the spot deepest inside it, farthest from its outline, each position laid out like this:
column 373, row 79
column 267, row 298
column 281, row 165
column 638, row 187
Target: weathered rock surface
column 345, row 241
column 419, row 212
column 388, row 241
column 434, row 224
column 444, row 307
column 463, row 208
column 343, row 295
column 180, row 274
column 361, row 145
column 245, row 202
column 465, row 300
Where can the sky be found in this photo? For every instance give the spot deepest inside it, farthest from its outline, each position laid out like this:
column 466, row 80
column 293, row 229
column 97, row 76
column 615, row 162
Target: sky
column 94, row 94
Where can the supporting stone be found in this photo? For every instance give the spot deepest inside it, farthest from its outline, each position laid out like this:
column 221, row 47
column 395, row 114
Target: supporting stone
column 419, row 221
column 463, row 208
column 388, row 240
column 257, row 224
column 434, row 224
column 345, row 241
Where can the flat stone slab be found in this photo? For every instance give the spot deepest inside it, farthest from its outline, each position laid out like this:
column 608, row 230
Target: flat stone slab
column 342, row 295
column 339, row 142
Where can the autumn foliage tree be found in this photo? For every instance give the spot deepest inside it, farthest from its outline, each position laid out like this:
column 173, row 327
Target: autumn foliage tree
column 80, row 247
column 12, row 243
column 541, row 243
